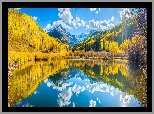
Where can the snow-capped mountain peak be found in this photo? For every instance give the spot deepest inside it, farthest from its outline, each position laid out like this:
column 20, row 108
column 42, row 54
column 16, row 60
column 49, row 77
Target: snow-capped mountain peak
column 60, row 33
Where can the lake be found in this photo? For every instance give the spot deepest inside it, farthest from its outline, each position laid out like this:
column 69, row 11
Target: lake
column 77, row 83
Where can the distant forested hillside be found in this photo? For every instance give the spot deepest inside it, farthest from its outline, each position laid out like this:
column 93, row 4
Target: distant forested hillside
column 129, row 37
column 116, row 36
column 27, row 39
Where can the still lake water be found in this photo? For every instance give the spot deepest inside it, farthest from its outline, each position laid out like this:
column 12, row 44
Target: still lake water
column 77, row 83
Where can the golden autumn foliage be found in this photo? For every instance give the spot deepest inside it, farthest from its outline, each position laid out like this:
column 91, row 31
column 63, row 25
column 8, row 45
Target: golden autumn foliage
column 27, row 42
column 26, row 79
column 116, row 74
column 124, row 45
column 26, row 38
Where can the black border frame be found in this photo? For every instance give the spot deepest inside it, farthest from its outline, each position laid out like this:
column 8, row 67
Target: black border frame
column 6, row 5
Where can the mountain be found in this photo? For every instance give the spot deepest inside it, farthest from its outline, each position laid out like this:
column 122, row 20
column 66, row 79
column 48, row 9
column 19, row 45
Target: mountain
column 26, row 36
column 60, row 33
column 83, row 36
column 102, row 39
column 67, row 74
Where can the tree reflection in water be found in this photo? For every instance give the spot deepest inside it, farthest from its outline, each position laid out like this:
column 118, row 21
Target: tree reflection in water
column 25, row 80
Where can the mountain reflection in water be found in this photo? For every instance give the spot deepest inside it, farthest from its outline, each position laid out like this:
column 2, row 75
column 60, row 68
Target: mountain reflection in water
column 77, row 83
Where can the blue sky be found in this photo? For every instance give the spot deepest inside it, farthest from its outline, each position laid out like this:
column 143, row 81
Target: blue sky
column 76, row 20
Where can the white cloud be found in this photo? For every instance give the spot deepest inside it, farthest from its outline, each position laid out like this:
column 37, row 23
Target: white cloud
column 63, row 86
column 66, row 94
column 94, row 24
column 97, row 25
column 83, row 23
column 99, row 9
column 77, row 19
column 77, row 89
column 105, row 24
column 48, row 27
column 64, row 97
column 74, row 23
column 35, row 18
column 60, row 9
column 112, row 94
column 59, row 88
column 112, row 18
column 98, row 87
column 125, row 13
column 126, row 98
column 56, row 23
column 96, row 12
column 62, row 102
column 102, row 87
column 87, row 27
column 65, row 15
column 92, row 103
column 92, row 9
column 79, row 24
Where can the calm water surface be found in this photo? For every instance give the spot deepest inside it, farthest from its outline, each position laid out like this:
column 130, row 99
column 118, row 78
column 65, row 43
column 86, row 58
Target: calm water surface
column 77, row 83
